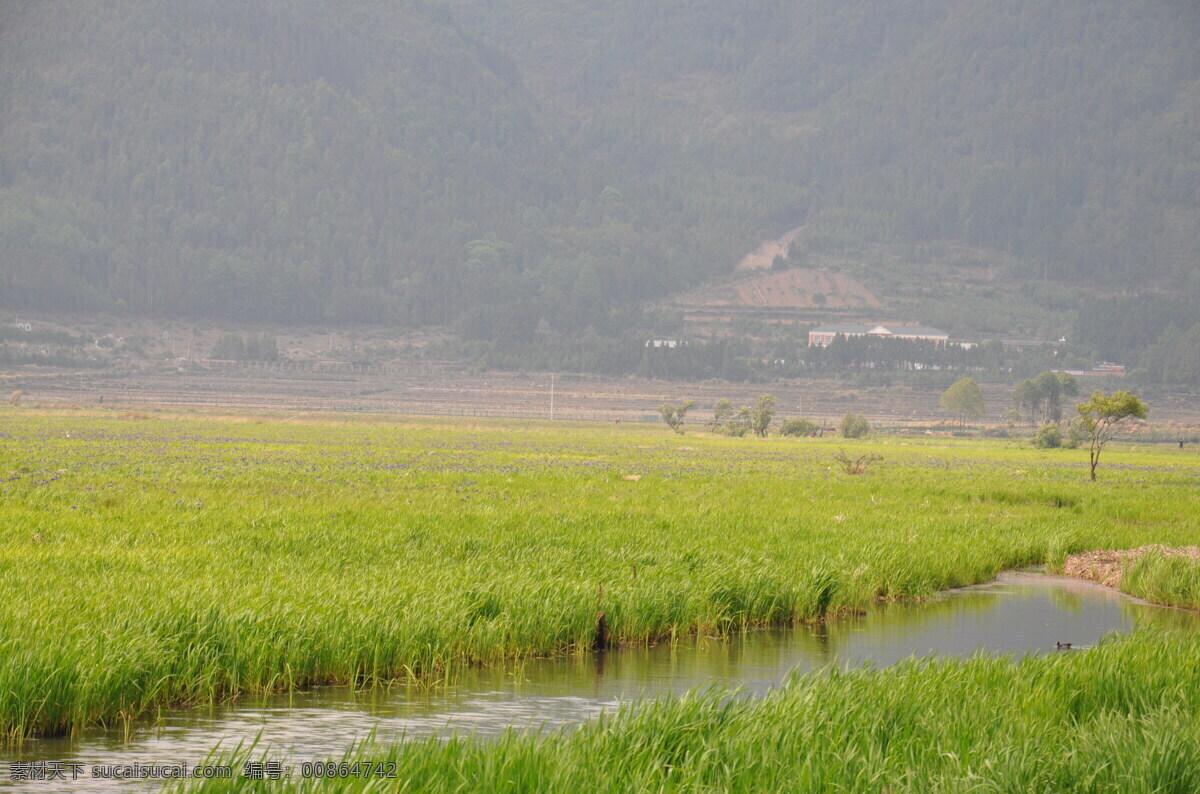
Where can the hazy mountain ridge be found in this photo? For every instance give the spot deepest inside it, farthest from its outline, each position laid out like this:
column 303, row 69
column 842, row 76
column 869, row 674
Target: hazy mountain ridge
column 528, row 171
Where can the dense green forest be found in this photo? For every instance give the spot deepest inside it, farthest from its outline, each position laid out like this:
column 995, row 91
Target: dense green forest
column 372, row 162
column 535, row 174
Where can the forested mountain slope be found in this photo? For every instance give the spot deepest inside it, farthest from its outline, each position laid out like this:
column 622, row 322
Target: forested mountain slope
column 1061, row 131
column 234, row 159
column 525, row 169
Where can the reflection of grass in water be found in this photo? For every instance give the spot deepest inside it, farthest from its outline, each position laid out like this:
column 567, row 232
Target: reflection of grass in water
column 1153, row 616
column 1069, row 601
column 148, row 562
column 917, row 613
column 946, row 616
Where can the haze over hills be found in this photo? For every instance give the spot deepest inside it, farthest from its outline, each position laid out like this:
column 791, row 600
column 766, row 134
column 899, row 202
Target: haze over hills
column 541, row 176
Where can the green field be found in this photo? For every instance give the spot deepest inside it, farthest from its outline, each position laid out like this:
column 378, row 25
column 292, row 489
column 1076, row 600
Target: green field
column 146, row 562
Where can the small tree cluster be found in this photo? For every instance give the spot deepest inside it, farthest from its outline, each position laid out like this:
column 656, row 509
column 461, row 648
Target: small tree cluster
column 738, row 423
column 1042, row 396
column 729, row 421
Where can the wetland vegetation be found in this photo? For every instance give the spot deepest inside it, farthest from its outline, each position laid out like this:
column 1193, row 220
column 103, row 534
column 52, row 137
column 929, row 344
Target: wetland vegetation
column 1120, row 717
column 148, row 562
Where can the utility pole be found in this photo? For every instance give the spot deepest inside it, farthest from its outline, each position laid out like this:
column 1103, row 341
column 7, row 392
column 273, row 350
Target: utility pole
column 551, row 398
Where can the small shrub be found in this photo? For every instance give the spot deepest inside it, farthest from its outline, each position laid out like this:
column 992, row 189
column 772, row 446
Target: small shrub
column 740, row 424
column 728, row 423
column 855, row 426
column 797, row 427
column 856, row 465
column 1048, row 436
column 1077, row 433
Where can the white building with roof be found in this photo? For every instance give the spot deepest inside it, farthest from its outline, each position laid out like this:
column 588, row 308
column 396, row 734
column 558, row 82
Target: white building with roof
column 822, row 335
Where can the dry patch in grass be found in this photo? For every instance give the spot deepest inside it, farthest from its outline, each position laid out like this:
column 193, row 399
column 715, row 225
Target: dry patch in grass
column 1107, row 567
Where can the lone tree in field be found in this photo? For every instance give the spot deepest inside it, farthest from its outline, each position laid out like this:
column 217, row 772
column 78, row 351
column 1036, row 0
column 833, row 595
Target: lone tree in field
column 673, row 414
column 1099, row 417
column 763, row 414
column 722, row 413
column 965, row 399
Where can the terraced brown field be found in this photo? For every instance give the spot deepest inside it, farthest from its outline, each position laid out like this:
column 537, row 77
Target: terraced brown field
column 443, row 391
column 783, row 290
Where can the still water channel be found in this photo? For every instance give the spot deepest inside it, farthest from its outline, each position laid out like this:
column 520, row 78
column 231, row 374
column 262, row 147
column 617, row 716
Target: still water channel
column 1019, row 613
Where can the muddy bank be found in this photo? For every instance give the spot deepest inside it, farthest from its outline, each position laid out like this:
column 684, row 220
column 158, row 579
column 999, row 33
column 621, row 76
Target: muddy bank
column 1107, row 567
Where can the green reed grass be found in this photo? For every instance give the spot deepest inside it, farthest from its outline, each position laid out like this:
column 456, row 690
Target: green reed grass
column 1164, row 580
column 152, row 562
column 1121, row 717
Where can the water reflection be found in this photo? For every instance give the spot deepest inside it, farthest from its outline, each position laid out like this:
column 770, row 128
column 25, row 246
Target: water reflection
column 1018, row 613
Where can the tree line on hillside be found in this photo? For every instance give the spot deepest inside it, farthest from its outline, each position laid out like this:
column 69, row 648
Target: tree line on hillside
column 1157, row 337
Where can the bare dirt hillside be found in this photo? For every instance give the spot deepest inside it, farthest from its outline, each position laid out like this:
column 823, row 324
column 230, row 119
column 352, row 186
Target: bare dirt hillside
column 762, row 257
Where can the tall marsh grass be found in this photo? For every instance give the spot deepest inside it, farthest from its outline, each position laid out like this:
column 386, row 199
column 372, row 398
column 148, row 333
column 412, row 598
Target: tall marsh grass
column 1121, row 717
column 1164, row 580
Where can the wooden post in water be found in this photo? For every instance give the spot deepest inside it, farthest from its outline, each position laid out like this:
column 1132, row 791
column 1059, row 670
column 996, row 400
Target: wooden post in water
column 600, row 643
column 601, row 640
